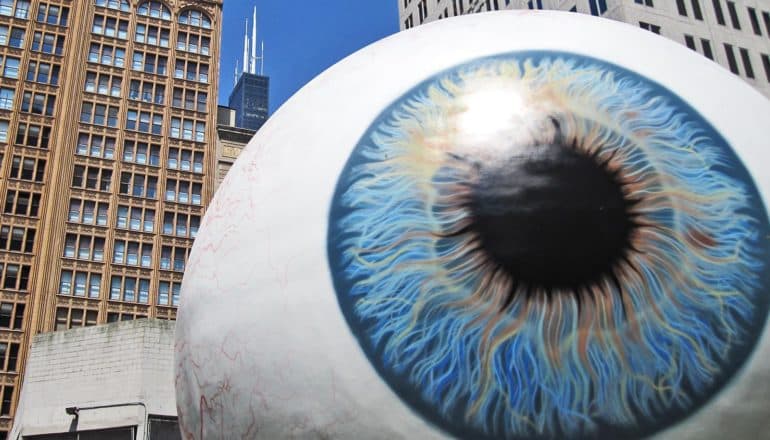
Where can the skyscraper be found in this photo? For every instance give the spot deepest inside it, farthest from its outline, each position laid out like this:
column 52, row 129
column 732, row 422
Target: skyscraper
column 107, row 136
column 249, row 97
column 735, row 34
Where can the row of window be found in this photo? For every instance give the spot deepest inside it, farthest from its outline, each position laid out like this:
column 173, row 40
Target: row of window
column 458, row 8
column 122, row 288
column 730, row 52
column 15, row 8
column 28, row 168
column 152, row 35
column 53, row 14
column 102, row 53
column 134, row 218
column 32, row 102
column 38, row 71
column 135, row 184
column 149, row 34
column 12, row 36
column 88, row 212
column 156, row 9
column 24, row 203
column 126, row 252
column 146, row 91
column 142, row 153
column 732, row 57
column 110, row 26
column 80, row 283
column 9, row 356
column 12, row 315
column 732, row 12
column 102, row 83
column 39, row 103
column 59, row 15
column 599, row 7
column 142, row 121
column 42, row 72
column 30, row 135
column 96, row 145
column 48, row 43
column 92, row 177
column 748, row 68
column 45, row 42
column 17, row 238
column 14, row 276
column 719, row 13
column 67, row 318
column 46, row 13
column 84, row 247
column 107, row 54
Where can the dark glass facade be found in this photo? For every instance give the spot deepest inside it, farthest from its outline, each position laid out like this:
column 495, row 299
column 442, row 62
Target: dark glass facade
column 250, row 101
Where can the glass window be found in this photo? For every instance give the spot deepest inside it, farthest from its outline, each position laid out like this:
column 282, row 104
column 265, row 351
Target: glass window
column 80, row 284
column 154, row 9
column 94, row 285
column 163, row 291
column 122, row 217
column 6, row 7
column 11, row 67
column 6, row 98
column 16, row 38
column 22, row 8
column 193, row 17
column 114, row 4
column 65, row 282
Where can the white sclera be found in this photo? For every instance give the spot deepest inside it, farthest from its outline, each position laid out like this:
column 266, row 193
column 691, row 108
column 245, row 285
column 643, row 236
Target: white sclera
column 263, row 350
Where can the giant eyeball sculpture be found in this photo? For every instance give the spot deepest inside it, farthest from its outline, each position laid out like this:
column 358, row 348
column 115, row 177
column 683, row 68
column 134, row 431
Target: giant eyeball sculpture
column 502, row 226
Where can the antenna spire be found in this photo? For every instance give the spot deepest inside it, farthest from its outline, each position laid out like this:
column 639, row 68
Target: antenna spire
column 246, row 48
column 253, row 64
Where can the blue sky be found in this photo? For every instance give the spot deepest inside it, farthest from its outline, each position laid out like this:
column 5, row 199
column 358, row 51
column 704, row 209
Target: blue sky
column 301, row 38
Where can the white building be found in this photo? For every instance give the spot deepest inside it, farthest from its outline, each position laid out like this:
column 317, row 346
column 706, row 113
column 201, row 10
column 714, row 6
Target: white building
column 108, row 382
column 735, row 34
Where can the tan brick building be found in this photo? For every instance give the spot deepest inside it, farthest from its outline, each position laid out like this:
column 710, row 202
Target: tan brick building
column 231, row 141
column 107, row 162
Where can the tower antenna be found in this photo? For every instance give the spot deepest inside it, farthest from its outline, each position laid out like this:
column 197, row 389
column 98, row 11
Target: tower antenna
column 253, row 64
column 246, row 48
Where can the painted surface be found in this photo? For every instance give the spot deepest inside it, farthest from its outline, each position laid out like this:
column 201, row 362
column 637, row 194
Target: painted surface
column 275, row 340
column 540, row 244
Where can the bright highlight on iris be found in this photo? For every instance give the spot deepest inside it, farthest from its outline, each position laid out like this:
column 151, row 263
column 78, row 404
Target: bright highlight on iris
column 540, row 244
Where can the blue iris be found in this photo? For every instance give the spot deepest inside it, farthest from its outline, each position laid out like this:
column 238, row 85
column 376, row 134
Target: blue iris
column 476, row 347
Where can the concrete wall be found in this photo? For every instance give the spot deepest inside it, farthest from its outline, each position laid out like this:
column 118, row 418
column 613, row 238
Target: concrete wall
column 663, row 14
column 115, row 364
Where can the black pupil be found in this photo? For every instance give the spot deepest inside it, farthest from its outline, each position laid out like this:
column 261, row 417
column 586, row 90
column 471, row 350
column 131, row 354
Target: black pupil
column 552, row 217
